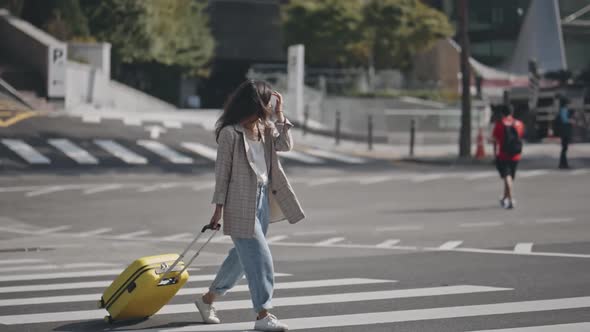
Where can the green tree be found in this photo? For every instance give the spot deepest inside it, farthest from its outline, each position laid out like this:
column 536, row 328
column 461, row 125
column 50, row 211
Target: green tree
column 172, row 33
column 329, row 29
column 377, row 33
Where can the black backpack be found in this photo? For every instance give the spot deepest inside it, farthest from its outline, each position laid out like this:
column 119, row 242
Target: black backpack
column 512, row 144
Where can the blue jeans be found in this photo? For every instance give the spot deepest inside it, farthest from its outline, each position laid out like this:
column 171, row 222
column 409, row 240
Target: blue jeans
column 250, row 256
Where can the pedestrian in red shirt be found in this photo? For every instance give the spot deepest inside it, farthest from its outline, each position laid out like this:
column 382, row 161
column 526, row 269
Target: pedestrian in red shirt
column 507, row 137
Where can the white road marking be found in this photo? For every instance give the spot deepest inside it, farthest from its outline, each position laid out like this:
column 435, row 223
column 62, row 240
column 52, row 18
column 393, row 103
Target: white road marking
column 132, row 235
column 375, row 179
column 95, row 232
column 17, row 189
column 530, row 174
column 198, row 290
column 324, row 181
column 172, row 124
column 401, row 228
column 132, row 122
column 91, row 118
column 572, row 327
column 204, row 186
column 580, row 171
column 101, row 189
column 177, row 236
column 478, row 175
column 300, row 157
column 16, row 230
column 121, row 152
column 335, row 156
column 511, row 252
column 92, row 284
column 388, row 243
column 159, row 186
column 554, row 220
column 427, row 177
column 54, row 267
column 53, row 229
column 282, row 301
column 345, row 246
column 450, row 245
column 73, row 151
column 276, row 238
column 201, row 149
column 60, row 275
column 155, row 131
column 398, row 316
column 318, row 232
column 47, row 190
column 482, row 224
column 221, row 238
column 330, row 241
column 164, row 151
column 523, row 248
column 25, row 151
column 21, row 261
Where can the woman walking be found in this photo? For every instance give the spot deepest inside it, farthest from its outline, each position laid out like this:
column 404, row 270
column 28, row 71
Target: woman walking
column 251, row 191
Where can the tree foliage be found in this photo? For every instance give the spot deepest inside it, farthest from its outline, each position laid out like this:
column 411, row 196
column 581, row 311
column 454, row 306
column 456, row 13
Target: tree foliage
column 160, row 31
column 380, row 33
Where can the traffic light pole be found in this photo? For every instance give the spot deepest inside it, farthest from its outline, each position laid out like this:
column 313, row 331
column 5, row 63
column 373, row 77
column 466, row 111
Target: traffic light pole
column 465, row 134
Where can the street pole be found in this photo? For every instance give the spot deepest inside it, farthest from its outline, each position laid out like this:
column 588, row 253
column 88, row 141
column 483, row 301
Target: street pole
column 465, row 134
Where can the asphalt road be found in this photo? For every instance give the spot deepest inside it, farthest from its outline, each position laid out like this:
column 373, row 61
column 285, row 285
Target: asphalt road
column 386, row 250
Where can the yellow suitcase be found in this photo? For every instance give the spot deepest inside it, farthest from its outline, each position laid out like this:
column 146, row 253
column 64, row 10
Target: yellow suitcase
column 146, row 285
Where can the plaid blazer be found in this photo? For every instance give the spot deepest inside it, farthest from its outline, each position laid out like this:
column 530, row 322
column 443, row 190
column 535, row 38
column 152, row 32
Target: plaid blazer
column 236, row 181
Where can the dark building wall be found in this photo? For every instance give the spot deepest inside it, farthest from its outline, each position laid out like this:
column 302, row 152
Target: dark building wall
column 246, row 32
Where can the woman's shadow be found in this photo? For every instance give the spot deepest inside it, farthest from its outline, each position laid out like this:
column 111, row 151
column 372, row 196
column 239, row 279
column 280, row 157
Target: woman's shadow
column 128, row 325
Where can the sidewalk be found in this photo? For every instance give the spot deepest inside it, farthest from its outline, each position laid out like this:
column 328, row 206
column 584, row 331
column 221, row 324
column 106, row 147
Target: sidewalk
column 547, row 152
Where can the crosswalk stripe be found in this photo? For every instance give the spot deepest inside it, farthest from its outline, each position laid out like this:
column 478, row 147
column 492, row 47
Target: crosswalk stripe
column 73, row 151
column 45, row 191
column 572, row 327
column 427, row 177
column 525, row 247
column 332, row 240
column 95, row 232
column 529, row 174
column 177, row 236
column 477, row 176
column 201, row 150
column 54, row 267
column 53, row 229
column 21, row 261
column 276, row 238
column 388, row 243
column 376, row 179
column 90, row 284
column 450, row 245
column 101, row 189
column 16, row 230
column 335, row 156
column 404, row 316
column 132, row 121
column 60, row 275
column 280, row 301
column 321, row 182
column 164, row 151
column 132, row 234
column 172, row 124
column 25, row 151
column 120, row 152
column 300, row 157
column 198, row 290
column 159, row 186
column 482, row 224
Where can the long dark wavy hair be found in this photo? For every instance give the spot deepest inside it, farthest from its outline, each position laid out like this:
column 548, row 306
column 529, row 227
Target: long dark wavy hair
column 249, row 99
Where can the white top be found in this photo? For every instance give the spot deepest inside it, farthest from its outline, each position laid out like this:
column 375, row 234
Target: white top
column 258, row 160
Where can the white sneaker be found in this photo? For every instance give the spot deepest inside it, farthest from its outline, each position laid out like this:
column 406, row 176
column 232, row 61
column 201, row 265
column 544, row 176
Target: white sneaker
column 270, row 323
column 207, row 311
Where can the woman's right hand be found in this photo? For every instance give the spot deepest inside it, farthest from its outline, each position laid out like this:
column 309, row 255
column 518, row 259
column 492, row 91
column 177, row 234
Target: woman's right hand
column 216, row 216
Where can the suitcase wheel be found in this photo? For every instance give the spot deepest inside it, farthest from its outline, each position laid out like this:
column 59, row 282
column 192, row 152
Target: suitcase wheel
column 100, row 303
column 108, row 319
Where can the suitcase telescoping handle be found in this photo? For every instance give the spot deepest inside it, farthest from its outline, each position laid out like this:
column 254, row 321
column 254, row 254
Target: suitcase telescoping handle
column 215, row 229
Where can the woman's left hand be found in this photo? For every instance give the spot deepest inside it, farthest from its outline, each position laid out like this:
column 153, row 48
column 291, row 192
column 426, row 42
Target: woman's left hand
column 279, row 106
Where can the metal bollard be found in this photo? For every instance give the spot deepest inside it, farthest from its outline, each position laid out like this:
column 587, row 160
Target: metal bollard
column 370, row 132
column 412, row 136
column 337, row 129
column 305, row 119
